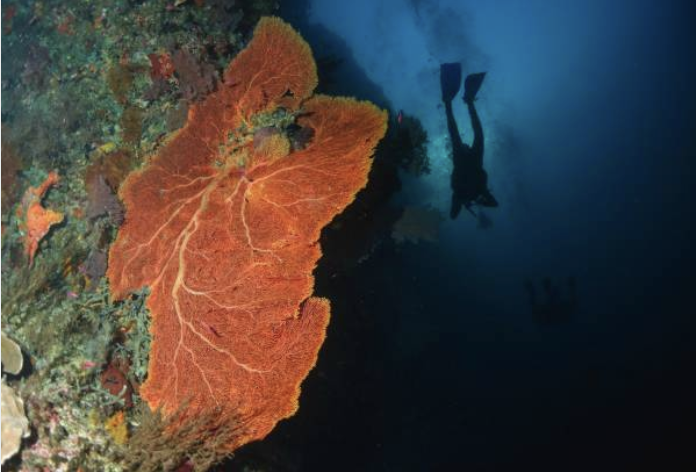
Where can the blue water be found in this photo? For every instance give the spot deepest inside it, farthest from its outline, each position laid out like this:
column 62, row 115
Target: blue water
column 437, row 358
column 435, row 361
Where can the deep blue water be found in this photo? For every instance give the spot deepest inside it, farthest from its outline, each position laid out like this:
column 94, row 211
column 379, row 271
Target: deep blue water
column 434, row 360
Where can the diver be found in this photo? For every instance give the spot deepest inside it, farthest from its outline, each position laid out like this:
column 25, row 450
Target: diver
column 469, row 180
column 555, row 308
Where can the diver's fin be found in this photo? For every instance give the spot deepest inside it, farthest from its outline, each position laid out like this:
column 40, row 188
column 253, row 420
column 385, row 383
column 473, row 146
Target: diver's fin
column 472, row 84
column 450, row 80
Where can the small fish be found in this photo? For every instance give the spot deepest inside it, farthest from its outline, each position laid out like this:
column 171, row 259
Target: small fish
column 400, row 117
column 72, row 295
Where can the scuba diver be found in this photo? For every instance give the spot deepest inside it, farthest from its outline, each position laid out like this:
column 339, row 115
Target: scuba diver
column 554, row 309
column 469, row 180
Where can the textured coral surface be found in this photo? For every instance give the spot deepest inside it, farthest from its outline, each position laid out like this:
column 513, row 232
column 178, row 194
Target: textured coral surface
column 226, row 236
column 37, row 220
column 14, row 423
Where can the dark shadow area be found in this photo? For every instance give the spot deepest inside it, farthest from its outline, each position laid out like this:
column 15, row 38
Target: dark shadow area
column 555, row 303
column 424, row 370
column 343, row 400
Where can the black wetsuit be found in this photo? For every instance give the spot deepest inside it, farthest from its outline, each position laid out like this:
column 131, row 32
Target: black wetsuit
column 469, row 179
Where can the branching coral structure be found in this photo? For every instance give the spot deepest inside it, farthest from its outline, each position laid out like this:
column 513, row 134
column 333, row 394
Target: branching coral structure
column 225, row 235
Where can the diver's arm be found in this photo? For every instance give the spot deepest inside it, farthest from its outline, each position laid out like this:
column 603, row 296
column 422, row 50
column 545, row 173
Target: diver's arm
column 477, row 146
column 453, row 130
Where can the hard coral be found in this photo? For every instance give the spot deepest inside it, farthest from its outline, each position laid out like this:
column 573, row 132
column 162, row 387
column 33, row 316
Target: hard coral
column 35, row 220
column 225, row 236
column 15, row 425
column 12, row 358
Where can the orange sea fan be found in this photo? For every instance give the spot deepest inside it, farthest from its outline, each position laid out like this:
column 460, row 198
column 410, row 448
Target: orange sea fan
column 225, row 234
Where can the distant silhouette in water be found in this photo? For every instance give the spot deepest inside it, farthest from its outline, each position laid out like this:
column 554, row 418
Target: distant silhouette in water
column 469, row 179
column 554, row 308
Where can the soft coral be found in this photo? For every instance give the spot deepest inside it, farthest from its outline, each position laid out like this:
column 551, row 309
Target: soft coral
column 36, row 221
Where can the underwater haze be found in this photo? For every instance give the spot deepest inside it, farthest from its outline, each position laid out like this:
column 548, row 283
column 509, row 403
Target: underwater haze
column 512, row 289
column 589, row 117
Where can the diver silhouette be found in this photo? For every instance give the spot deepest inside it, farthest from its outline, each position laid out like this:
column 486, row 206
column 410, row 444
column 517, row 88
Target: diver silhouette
column 554, row 309
column 469, row 180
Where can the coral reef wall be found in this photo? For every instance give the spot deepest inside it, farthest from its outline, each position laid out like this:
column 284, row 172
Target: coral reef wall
column 81, row 97
column 223, row 230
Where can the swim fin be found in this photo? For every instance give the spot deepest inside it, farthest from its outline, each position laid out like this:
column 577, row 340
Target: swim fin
column 450, row 80
column 487, row 199
column 472, row 84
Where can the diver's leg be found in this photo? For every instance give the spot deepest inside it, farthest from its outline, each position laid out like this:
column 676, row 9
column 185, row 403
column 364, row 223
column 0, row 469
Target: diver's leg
column 456, row 206
column 456, row 139
column 477, row 146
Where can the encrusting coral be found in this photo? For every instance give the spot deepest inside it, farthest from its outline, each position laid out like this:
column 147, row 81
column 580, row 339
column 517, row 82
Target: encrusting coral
column 117, row 427
column 35, row 220
column 12, row 358
column 15, row 425
column 225, row 235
